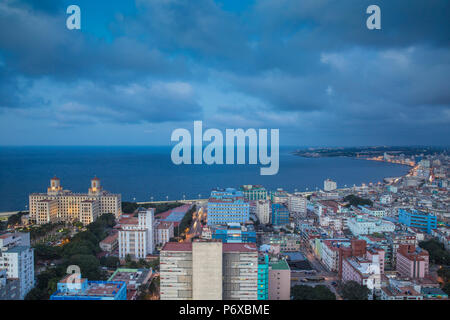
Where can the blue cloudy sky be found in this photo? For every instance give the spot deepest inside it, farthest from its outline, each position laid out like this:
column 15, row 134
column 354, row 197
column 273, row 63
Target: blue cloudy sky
column 140, row 69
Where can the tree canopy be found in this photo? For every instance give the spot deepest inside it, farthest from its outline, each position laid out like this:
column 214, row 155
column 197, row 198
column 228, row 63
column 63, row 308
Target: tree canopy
column 352, row 290
column 319, row 292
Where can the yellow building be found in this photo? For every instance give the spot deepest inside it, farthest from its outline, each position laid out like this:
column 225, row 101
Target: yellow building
column 63, row 205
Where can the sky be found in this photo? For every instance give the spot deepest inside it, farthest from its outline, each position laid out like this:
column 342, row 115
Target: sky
column 137, row 70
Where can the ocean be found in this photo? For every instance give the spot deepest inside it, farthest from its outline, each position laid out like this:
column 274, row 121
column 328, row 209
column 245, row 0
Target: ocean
column 140, row 173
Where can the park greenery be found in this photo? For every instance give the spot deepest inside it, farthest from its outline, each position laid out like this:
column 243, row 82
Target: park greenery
column 352, row 290
column 355, row 201
column 319, row 292
column 12, row 220
column 81, row 251
column 438, row 253
column 130, row 207
column 440, row 256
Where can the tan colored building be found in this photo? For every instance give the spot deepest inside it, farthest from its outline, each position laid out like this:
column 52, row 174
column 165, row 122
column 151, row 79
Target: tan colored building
column 46, row 211
column 279, row 280
column 63, row 205
column 209, row 270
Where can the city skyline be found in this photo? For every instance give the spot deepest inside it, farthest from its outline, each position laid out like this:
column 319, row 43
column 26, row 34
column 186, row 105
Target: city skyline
column 138, row 70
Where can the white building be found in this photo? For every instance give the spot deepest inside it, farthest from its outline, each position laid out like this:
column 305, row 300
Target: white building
column 329, row 185
column 297, row 205
column 63, row 205
column 374, row 211
column 386, row 199
column 263, row 211
column 17, row 257
column 361, row 225
column 136, row 235
column 163, row 233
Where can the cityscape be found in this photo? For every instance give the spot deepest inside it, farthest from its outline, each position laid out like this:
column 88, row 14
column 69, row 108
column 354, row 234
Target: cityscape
column 382, row 241
column 224, row 158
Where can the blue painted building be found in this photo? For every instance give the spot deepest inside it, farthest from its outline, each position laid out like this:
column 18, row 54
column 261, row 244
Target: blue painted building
column 280, row 214
column 263, row 278
column 73, row 287
column 417, row 219
column 234, row 233
column 227, row 206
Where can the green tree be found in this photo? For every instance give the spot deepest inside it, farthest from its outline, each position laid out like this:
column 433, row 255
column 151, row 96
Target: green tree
column 357, row 201
column 444, row 273
column 88, row 264
column 36, row 294
column 45, row 252
column 319, row 292
column 352, row 290
column 110, row 262
column 438, row 253
column 446, row 288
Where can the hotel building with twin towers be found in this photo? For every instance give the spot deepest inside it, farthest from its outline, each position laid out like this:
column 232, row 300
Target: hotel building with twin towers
column 64, row 205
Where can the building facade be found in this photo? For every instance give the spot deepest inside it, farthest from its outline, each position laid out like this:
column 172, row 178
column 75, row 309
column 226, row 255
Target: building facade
column 329, row 185
column 63, row 205
column 209, row 270
column 73, row 287
column 263, row 211
column 234, row 233
column 136, row 235
column 254, row 192
column 418, row 219
column 363, row 225
column 263, row 277
column 17, row 258
column 227, row 206
column 279, row 280
column 412, row 261
column 163, row 232
column 280, row 214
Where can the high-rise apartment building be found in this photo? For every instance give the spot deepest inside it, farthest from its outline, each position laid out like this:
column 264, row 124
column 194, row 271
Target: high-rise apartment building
column 329, row 185
column 227, row 206
column 209, row 270
column 63, row 205
column 17, row 258
column 254, row 192
column 263, row 211
column 280, row 214
column 136, row 234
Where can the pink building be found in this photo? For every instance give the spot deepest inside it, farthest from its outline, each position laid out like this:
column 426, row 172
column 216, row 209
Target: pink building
column 279, row 281
column 366, row 270
column 412, row 261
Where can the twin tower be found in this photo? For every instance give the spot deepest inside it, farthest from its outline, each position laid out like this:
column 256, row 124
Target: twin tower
column 56, row 188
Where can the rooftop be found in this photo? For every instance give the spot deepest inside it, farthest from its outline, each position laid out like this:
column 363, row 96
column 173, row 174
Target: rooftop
column 279, row 265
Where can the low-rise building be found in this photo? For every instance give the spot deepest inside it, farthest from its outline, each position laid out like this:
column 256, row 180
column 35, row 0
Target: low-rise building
column 73, row 287
column 136, row 235
column 110, row 243
column 362, row 225
column 17, row 258
column 133, row 278
column 164, row 232
column 412, row 261
column 279, row 280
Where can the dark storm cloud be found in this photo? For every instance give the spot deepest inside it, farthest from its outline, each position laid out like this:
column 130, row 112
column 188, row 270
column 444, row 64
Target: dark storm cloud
column 310, row 67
